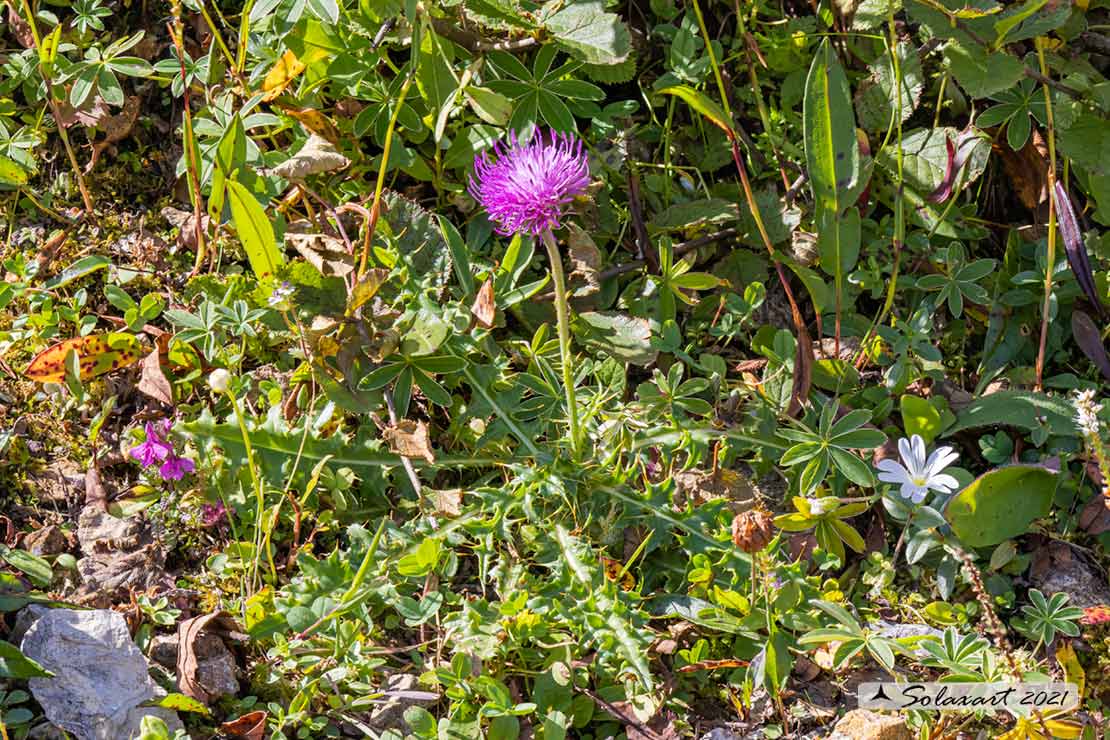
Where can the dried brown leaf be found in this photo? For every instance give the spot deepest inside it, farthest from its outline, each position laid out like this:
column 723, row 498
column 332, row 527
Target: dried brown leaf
column 19, row 28
column 251, row 726
column 188, row 632
column 324, row 252
column 316, row 156
column 484, row 308
column 153, row 381
column 585, row 260
column 116, row 128
column 409, row 438
column 1027, row 170
column 95, row 495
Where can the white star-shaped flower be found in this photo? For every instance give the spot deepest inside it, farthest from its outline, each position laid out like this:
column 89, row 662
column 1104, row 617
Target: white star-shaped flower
column 918, row 474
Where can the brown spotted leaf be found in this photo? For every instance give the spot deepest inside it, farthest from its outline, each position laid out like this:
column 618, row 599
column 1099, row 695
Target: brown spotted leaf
column 97, row 353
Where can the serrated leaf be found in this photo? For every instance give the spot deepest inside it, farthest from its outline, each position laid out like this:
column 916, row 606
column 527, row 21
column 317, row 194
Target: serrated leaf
column 97, row 353
column 591, row 35
column 982, row 73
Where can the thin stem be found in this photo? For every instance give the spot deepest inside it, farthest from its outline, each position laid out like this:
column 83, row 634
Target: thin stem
column 562, row 315
column 1051, row 262
column 46, row 78
column 192, row 169
column 258, row 493
column 375, row 209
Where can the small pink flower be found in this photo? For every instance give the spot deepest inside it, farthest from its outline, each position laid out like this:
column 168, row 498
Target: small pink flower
column 154, row 450
column 175, row 468
column 213, row 514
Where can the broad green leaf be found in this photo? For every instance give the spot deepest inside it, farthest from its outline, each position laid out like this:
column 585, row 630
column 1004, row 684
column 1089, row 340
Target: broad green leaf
column 920, row 417
column 1001, row 504
column 179, row 703
column 1019, row 409
column 35, row 567
column 255, row 231
column 982, row 73
column 11, row 173
column 591, row 35
column 832, row 150
column 14, row 664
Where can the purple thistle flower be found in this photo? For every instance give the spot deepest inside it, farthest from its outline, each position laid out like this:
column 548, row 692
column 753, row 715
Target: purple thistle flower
column 525, row 186
column 175, row 468
column 154, row 450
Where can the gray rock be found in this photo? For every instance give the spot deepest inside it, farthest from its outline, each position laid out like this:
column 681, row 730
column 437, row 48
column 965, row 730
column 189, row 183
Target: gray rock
column 897, row 631
column 1069, row 574
column 100, row 676
column 401, row 692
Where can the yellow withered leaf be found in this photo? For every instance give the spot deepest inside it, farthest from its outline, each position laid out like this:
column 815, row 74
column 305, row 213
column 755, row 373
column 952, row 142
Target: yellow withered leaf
column 316, row 122
column 282, row 73
column 97, row 354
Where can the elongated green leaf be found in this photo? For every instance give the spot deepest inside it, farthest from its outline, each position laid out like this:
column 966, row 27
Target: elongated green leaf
column 78, row 269
column 703, row 105
column 829, row 131
column 255, row 231
column 1001, row 504
column 37, row 569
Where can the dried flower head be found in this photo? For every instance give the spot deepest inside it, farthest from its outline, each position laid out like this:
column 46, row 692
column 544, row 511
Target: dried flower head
column 1086, row 413
column 525, row 187
column 213, row 514
column 753, row 530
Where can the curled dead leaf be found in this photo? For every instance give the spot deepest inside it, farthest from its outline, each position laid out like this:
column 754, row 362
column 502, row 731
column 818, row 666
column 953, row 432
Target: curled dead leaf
column 409, row 438
column 585, row 260
column 251, row 726
column 116, row 128
column 324, row 252
column 188, row 632
column 316, row 156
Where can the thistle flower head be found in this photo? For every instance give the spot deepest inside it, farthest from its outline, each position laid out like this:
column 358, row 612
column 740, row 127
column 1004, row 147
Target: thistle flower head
column 918, row 474
column 1086, row 413
column 524, row 187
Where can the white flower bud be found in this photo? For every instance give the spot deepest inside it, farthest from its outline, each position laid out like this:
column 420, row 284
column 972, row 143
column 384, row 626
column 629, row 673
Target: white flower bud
column 219, row 380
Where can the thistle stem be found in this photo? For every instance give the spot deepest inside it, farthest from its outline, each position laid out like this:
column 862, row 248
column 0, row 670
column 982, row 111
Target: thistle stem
column 562, row 316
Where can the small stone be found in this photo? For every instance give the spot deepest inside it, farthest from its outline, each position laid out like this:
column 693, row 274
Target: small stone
column 402, row 690
column 862, row 724
column 100, row 677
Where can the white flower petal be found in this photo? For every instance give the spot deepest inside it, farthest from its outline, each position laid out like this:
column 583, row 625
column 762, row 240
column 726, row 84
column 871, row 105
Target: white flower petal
column 919, row 495
column 943, row 483
column 941, row 458
column 892, row 472
column 906, row 451
column 909, row 490
column 918, row 445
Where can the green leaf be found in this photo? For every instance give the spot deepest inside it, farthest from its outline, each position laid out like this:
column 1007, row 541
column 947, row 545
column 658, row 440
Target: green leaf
column 832, row 151
column 179, row 703
column 982, row 73
column 920, row 417
column 623, row 337
column 255, row 231
column 1018, row 409
column 589, row 34
column 1001, row 504
column 11, row 173
column 14, row 664
column 36, row 568
column 78, row 269
column 695, row 213
column 703, row 105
